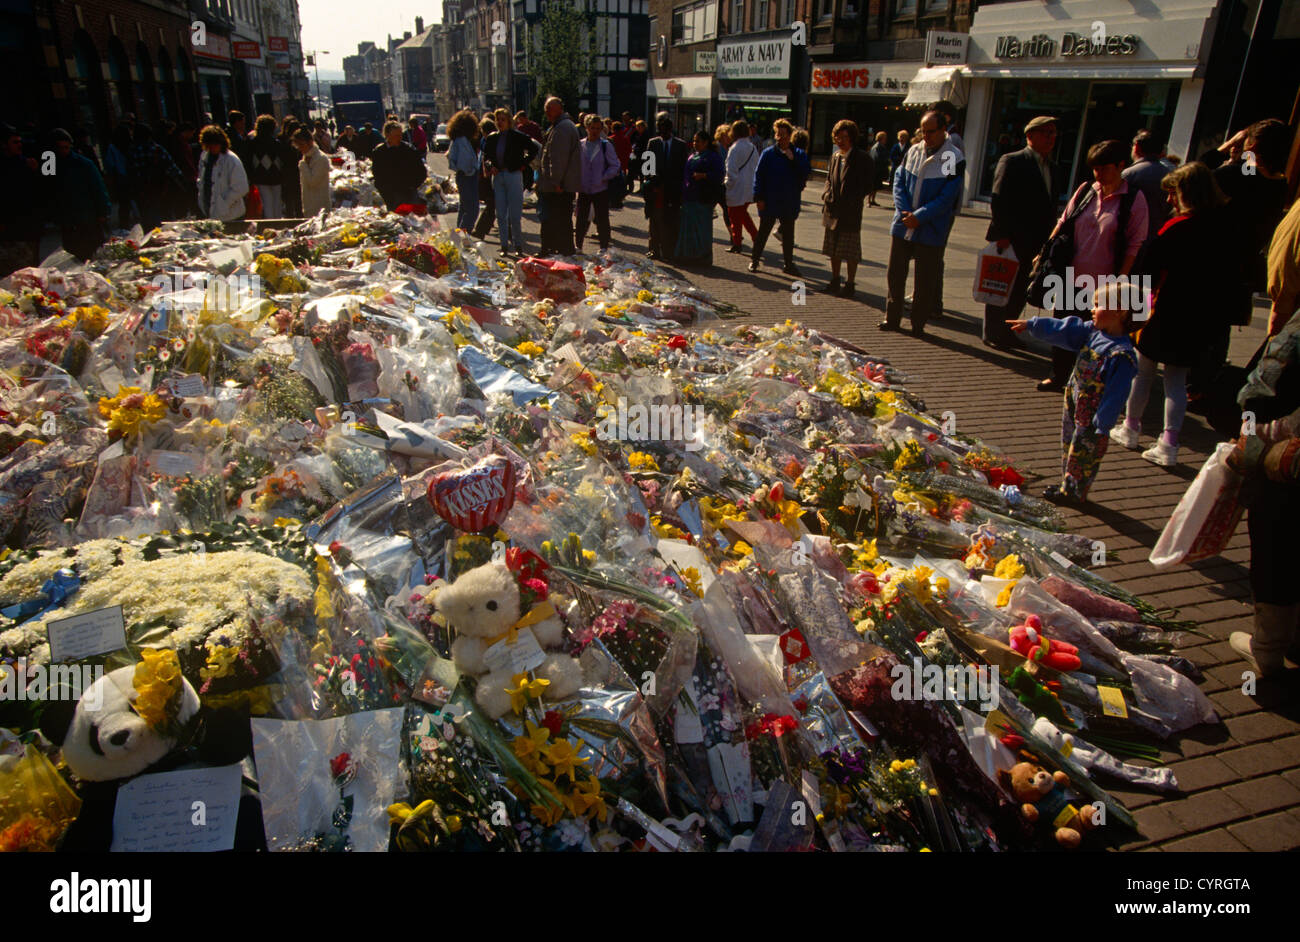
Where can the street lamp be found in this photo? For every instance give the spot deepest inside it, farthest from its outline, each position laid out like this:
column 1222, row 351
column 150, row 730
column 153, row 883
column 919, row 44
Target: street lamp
column 315, row 63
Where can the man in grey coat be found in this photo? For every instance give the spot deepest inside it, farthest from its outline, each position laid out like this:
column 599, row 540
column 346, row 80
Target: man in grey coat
column 1149, row 167
column 559, row 180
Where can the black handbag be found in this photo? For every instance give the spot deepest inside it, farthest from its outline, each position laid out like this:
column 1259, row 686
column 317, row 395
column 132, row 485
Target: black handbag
column 1057, row 254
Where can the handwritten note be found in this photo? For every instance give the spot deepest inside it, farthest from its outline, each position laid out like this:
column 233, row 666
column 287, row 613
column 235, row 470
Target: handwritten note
column 171, row 463
column 187, row 386
column 187, row 810
column 99, row 632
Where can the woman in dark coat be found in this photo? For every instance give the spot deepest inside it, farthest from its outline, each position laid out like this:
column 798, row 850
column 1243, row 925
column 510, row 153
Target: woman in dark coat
column 1188, row 306
column 700, row 191
column 848, row 180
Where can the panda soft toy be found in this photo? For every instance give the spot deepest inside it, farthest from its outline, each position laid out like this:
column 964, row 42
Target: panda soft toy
column 119, row 729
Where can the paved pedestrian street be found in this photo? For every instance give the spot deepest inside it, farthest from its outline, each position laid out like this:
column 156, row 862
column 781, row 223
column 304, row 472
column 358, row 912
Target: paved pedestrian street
column 1239, row 781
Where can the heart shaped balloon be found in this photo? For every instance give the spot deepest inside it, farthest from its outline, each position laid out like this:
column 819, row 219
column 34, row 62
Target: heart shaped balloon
column 477, row 498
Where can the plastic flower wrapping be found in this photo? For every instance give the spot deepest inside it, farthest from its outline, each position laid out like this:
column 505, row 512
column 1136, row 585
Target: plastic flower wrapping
column 743, row 592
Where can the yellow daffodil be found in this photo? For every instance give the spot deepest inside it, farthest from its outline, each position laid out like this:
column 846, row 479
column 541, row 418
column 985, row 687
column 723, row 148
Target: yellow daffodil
column 529, row 746
column 220, row 662
column 1004, row 597
column 524, row 688
column 691, row 576
column 129, row 409
column 665, row 531
column 586, row 799
column 564, row 758
column 866, row 555
column 530, row 349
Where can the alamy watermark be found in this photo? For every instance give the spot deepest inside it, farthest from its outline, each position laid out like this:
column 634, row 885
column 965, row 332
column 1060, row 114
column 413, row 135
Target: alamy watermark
column 1076, row 292
column 55, row 682
column 925, row 681
column 656, row 422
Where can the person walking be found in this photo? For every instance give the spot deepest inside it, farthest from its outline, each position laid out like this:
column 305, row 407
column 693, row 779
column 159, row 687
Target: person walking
column 741, row 165
column 367, row 139
column 313, row 174
column 640, row 140
column 462, row 158
column 20, row 222
column 782, row 172
column 398, row 170
column 1025, row 185
column 848, row 180
column 1110, row 224
column 880, row 163
column 487, row 197
column 600, row 166
column 117, row 175
column 1104, row 365
column 662, row 187
column 702, row 186
column 265, row 158
column 559, row 179
column 622, row 141
column 927, row 189
column 222, row 181
column 1186, row 309
column 81, row 201
column 505, row 155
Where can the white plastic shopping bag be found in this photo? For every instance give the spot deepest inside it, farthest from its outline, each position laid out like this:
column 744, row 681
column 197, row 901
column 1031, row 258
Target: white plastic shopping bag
column 995, row 273
column 1207, row 516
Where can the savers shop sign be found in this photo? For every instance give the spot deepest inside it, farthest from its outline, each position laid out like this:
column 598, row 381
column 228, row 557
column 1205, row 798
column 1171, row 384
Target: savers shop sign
column 755, row 59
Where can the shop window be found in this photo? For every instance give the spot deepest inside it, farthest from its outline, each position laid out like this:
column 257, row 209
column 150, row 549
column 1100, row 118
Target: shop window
column 787, row 13
column 931, row 7
column 760, row 14
column 695, row 23
column 904, row 8
column 738, row 16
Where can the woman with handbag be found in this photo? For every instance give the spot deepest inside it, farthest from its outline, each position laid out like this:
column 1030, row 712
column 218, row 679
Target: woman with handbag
column 741, row 162
column 1098, row 235
column 1186, row 307
column 848, row 180
column 702, row 187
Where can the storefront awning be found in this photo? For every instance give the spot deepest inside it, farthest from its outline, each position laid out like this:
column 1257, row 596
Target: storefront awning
column 937, row 83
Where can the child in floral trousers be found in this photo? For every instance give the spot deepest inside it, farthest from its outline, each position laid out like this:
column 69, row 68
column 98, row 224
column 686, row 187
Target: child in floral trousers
column 1098, row 387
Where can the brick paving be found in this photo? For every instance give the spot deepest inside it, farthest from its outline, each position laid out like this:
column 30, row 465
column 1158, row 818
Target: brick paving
column 1240, row 779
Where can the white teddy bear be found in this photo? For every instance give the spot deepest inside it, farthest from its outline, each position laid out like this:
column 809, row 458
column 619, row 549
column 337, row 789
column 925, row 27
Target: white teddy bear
column 482, row 606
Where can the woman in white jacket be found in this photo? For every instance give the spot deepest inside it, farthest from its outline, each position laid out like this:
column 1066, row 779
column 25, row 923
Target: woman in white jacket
column 313, row 174
column 742, row 162
column 221, row 180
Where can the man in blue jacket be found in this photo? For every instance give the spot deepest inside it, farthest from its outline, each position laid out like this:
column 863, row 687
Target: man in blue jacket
column 778, row 184
column 927, row 188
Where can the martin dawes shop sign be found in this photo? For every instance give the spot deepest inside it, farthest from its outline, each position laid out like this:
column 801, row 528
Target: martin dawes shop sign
column 755, row 59
column 1071, row 45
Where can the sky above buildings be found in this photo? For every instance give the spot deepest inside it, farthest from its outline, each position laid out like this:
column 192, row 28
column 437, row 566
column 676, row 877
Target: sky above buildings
column 338, row 25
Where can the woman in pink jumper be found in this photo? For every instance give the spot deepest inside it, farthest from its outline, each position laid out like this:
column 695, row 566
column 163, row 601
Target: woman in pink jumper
column 1110, row 224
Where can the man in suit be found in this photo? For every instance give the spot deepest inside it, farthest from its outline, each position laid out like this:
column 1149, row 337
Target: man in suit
column 1025, row 187
column 664, row 175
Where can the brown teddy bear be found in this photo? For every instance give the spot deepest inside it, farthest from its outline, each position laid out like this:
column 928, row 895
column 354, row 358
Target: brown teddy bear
column 1042, row 797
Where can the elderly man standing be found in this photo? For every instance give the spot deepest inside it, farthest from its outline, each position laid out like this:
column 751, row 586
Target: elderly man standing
column 927, row 187
column 1025, row 186
column 560, row 179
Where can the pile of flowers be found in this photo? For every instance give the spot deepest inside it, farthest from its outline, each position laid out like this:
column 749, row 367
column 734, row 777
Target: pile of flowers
column 747, row 531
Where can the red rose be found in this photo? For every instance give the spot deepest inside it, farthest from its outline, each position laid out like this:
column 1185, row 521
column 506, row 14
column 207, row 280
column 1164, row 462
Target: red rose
column 678, row 342
column 538, row 588
column 777, row 493
column 553, row 721
column 339, row 764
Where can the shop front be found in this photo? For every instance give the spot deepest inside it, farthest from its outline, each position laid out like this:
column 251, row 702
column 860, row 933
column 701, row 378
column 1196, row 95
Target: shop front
column 213, row 62
column 870, row 94
column 687, row 99
column 1105, row 69
column 761, row 78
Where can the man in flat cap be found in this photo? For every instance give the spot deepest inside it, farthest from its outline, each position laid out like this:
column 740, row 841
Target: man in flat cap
column 1025, row 189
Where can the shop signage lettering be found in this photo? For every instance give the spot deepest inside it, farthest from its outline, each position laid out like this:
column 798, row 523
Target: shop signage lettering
column 278, row 43
column 841, row 78
column 755, row 59
column 247, row 50
column 1075, row 45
